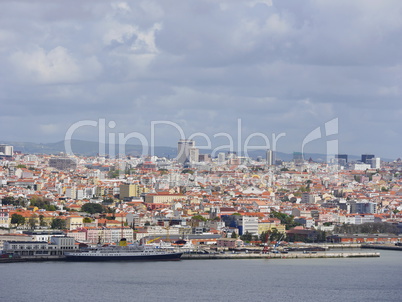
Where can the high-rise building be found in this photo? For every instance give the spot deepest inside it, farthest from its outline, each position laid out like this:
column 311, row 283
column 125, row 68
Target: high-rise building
column 221, row 158
column 297, row 157
column 375, row 163
column 184, row 147
column 6, row 150
column 194, row 155
column 342, row 157
column 270, row 157
column 366, row 158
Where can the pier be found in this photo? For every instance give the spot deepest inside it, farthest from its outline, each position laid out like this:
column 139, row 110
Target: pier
column 279, row 255
column 382, row 247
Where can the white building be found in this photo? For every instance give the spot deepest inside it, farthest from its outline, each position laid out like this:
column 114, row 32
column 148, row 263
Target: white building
column 361, row 167
column 194, row 155
column 221, row 158
column 6, row 150
column 248, row 224
column 376, row 163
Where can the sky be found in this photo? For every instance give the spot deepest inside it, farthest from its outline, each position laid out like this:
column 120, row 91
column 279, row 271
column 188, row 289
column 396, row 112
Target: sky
column 248, row 71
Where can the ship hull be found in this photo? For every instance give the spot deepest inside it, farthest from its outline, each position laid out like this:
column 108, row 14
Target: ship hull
column 156, row 257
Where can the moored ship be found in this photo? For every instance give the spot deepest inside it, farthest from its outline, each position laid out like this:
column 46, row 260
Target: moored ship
column 133, row 252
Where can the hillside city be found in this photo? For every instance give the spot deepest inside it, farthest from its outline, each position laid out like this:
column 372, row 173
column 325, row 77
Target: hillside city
column 228, row 201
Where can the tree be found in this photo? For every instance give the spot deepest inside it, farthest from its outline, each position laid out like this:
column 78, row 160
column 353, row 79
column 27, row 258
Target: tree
column 264, row 236
column 17, row 219
column 163, row 171
column 10, row 200
column 32, row 222
column 246, row 236
column 234, row 235
column 113, row 174
column 107, row 201
column 41, row 221
column 40, row 203
column 59, row 224
column 92, row 208
column 188, row 171
column 287, row 220
column 198, row 218
column 87, row 220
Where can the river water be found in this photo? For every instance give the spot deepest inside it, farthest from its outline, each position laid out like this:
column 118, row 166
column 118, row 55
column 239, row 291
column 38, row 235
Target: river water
column 349, row 279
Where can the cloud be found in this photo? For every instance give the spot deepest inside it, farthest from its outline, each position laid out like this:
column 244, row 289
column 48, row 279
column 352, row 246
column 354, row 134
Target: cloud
column 280, row 66
column 54, row 66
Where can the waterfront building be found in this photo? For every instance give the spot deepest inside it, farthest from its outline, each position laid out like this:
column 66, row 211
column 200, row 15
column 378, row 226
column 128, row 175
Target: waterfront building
column 37, row 249
column 230, row 243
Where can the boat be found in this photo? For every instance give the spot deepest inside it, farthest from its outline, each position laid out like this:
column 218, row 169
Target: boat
column 132, row 252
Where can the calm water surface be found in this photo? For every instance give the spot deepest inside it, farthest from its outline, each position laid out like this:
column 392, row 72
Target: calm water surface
column 350, row 279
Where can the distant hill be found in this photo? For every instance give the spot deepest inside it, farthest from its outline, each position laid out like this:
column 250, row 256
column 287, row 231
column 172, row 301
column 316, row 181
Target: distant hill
column 88, row 148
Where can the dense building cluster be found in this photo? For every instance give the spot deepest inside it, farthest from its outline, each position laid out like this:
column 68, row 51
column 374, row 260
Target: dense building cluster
column 101, row 199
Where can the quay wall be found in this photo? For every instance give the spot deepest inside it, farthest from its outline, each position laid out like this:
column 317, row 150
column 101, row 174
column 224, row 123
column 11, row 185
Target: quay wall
column 278, row 256
column 382, row 247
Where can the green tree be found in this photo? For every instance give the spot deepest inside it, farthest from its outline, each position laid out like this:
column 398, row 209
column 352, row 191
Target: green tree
column 287, row 220
column 17, row 219
column 32, row 222
column 40, row 203
column 246, row 236
column 264, row 236
column 198, row 218
column 41, row 220
column 234, row 235
column 59, row 224
column 163, row 171
column 188, row 171
column 10, row 200
column 107, row 201
column 92, row 208
column 87, row 220
column 113, row 174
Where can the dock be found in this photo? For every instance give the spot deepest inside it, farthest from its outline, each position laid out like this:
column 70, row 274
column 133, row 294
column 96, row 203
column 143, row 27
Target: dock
column 237, row 255
column 382, row 247
column 280, row 255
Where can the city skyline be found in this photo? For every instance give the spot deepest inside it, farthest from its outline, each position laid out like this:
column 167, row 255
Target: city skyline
column 279, row 66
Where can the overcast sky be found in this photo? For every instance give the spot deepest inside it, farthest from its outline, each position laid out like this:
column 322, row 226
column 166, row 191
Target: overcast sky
column 279, row 66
